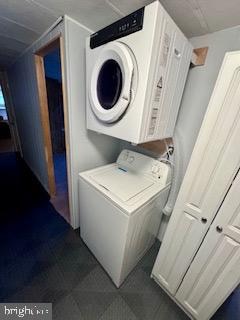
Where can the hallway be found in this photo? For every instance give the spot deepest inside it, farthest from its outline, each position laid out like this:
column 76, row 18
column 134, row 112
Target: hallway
column 44, row 260
column 6, row 141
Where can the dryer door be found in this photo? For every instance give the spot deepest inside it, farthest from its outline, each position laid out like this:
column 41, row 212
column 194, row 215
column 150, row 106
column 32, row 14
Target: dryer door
column 110, row 82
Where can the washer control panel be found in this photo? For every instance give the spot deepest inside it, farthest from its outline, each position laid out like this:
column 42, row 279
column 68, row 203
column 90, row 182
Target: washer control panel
column 159, row 170
column 154, row 169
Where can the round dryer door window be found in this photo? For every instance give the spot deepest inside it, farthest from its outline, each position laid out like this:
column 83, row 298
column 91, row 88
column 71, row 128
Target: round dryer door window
column 110, row 83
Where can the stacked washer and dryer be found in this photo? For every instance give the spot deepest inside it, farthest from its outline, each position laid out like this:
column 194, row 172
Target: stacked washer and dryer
column 136, row 72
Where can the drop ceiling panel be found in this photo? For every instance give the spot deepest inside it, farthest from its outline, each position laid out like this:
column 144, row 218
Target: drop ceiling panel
column 221, row 14
column 12, row 44
column 28, row 14
column 94, row 14
column 183, row 13
column 8, row 52
column 126, row 6
column 4, row 60
column 16, row 31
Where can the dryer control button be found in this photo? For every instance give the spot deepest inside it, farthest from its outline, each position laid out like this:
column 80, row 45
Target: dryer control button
column 154, row 169
column 131, row 159
column 125, row 156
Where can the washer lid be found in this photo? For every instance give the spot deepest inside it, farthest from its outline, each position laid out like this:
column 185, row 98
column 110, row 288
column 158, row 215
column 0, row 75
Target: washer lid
column 122, row 184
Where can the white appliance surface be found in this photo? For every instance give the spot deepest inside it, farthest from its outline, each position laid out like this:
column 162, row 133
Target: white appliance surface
column 120, row 210
column 141, row 179
column 136, row 71
column 124, row 185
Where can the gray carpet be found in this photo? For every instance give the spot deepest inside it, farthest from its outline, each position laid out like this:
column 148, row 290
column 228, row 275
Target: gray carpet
column 67, row 275
column 44, row 260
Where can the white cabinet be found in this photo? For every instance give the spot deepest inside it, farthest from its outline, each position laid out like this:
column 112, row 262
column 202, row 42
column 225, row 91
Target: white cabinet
column 213, row 166
column 215, row 270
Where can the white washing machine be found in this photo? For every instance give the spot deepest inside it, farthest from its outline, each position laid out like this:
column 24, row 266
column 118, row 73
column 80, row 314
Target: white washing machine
column 120, row 210
column 136, row 72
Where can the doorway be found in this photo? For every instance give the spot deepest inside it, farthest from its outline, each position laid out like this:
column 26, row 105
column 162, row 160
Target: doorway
column 50, row 88
column 9, row 137
column 6, row 142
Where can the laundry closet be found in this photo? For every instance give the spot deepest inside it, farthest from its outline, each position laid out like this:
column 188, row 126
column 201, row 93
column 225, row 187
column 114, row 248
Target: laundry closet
column 136, row 70
column 141, row 212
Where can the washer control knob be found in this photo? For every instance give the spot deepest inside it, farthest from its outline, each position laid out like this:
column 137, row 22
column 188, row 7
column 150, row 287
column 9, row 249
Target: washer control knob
column 125, row 156
column 154, row 169
column 131, row 159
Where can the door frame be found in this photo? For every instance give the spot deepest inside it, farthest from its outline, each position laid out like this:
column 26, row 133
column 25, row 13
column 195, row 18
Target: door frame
column 54, row 43
column 10, row 112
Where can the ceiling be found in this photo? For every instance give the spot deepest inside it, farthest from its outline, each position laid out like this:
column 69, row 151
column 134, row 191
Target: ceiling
column 23, row 21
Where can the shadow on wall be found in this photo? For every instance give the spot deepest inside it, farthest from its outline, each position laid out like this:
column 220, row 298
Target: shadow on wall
column 104, row 149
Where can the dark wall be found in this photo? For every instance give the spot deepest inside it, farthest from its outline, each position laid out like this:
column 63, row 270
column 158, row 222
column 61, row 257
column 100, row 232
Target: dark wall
column 56, row 116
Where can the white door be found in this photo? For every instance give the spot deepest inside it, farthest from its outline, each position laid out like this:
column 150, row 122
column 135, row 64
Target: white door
column 215, row 271
column 212, row 167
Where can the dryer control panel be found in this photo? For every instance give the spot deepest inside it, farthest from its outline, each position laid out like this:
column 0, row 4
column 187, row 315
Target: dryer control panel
column 140, row 163
column 121, row 28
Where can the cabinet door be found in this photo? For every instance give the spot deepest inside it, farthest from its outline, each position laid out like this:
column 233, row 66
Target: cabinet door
column 215, row 271
column 212, row 168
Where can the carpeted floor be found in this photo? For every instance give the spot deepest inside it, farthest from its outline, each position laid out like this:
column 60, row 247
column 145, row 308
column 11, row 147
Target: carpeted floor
column 44, row 260
column 6, row 145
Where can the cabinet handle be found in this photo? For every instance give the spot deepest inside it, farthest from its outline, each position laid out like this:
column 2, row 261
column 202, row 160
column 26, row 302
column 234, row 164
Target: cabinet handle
column 219, row 229
column 204, row 220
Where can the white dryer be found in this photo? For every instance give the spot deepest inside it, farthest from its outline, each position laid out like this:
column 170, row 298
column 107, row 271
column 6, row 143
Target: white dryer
column 120, row 210
column 136, row 71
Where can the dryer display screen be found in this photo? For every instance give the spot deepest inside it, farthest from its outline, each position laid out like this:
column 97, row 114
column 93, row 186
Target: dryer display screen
column 109, row 84
column 123, row 27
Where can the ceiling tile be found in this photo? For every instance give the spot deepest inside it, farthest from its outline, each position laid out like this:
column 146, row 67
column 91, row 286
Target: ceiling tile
column 183, row 15
column 221, row 14
column 126, row 6
column 4, row 61
column 28, row 14
column 16, row 31
column 9, row 53
column 12, row 44
column 94, row 14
